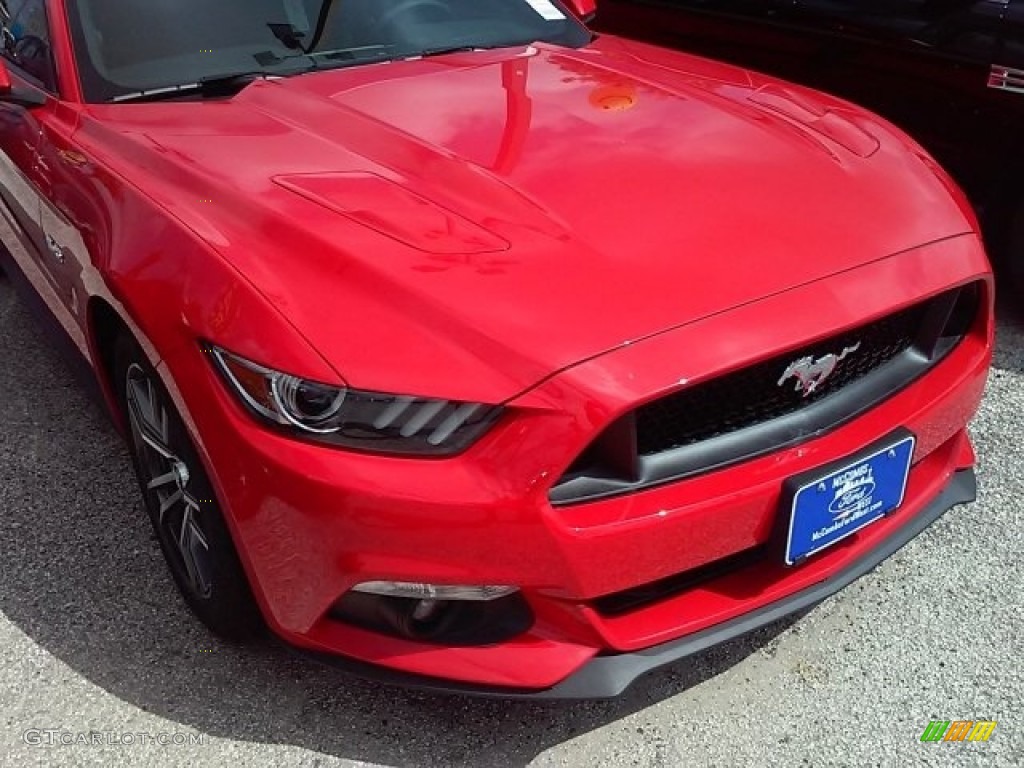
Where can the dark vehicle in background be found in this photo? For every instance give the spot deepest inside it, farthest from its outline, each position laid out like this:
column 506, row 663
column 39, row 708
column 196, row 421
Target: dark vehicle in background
column 950, row 72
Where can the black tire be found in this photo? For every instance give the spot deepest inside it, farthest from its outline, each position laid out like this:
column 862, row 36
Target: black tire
column 205, row 564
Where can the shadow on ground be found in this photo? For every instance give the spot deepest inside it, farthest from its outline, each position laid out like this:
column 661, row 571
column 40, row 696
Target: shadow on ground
column 81, row 575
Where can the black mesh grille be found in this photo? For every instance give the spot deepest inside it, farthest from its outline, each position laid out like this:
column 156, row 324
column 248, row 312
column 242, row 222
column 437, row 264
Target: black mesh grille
column 753, row 395
column 748, row 413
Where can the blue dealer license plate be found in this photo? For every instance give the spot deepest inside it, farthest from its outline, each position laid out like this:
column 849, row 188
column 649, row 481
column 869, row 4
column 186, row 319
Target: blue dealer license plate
column 839, row 504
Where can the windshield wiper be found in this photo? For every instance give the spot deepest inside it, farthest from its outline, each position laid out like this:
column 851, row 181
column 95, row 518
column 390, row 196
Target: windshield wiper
column 441, row 51
column 363, row 54
column 358, row 55
column 230, row 84
column 213, row 86
column 464, row 48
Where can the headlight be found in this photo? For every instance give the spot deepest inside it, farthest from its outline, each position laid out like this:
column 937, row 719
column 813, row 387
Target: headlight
column 352, row 418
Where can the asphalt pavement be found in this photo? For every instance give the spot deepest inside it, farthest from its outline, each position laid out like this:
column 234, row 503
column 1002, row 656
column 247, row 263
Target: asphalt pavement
column 96, row 641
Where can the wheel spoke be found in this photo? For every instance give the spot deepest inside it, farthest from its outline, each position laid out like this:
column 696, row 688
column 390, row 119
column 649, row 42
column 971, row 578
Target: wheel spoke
column 167, row 503
column 151, row 426
column 157, row 446
column 192, row 545
column 168, row 478
column 141, row 394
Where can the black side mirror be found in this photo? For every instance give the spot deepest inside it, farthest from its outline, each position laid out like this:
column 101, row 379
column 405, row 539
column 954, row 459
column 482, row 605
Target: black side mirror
column 12, row 94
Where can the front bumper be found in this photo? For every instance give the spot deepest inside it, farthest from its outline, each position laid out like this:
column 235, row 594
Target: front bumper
column 609, row 675
column 311, row 523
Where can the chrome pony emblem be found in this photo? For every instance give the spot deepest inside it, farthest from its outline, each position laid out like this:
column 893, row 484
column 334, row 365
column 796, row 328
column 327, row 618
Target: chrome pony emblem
column 810, row 374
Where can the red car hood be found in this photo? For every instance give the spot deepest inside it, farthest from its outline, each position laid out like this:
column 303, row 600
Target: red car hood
column 469, row 224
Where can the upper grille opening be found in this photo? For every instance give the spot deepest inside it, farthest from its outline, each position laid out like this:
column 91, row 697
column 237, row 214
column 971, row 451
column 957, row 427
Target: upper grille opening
column 756, row 410
column 753, row 395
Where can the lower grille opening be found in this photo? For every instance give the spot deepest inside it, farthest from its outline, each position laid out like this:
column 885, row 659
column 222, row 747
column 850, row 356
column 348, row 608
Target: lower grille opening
column 647, row 594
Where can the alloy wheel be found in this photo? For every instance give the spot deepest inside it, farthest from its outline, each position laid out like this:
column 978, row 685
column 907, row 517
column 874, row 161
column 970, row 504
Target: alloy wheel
column 166, row 479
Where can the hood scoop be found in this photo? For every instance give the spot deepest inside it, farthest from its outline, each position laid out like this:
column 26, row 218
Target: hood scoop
column 394, row 211
column 815, row 117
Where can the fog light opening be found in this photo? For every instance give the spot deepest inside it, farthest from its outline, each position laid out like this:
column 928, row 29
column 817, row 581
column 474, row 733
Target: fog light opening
column 438, row 592
column 440, row 614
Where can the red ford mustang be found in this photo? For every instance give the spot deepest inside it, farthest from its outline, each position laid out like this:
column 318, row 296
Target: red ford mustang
column 459, row 345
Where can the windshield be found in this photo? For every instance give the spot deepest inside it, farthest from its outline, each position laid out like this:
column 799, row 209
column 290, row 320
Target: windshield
column 128, row 46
